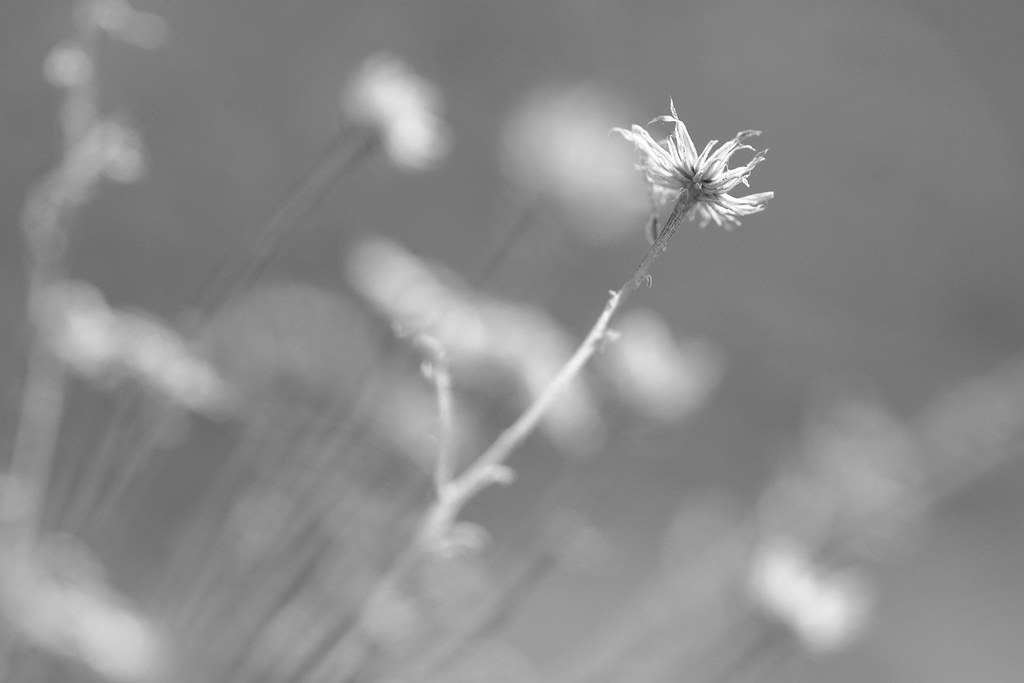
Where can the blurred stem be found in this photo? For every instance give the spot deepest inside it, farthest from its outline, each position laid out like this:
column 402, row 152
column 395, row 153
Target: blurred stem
column 46, row 221
column 36, row 437
column 488, row 468
column 347, row 637
column 236, row 270
column 750, row 653
column 81, row 104
column 243, row 265
column 436, row 370
column 490, row 618
column 84, row 495
column 513, row 228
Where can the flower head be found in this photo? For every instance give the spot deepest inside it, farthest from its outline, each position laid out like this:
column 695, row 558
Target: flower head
column 826, row 610
column 385, row 96
column 106, row 344
column 556, row 146
column 674, row 166
column 121, row 20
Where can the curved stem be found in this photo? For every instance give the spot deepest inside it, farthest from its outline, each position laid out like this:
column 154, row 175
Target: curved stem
column 240, row 267
column 486, row 470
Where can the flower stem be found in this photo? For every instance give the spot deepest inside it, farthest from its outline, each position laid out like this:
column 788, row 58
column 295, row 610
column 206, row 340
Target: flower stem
column 441, row 377
column 243, row 265
column 485, row 470
column 46, row 221
column 34, row 448
column 456, row 492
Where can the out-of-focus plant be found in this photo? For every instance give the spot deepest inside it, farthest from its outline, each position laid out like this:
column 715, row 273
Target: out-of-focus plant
column 556, row 147
column 331, row 538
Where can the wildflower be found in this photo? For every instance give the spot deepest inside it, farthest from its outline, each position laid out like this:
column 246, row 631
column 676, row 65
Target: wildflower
column 392, row 616
column 480, row 334
column 401, row 108
column 104, row 344
column 674, row 167
column 161, row 360
column 556, row 146
column 824, row 610
column 120, row 19
column 866, row 464
column 118, row 150
column 109, row 149
column 661, row 377
column 61, row 603
column 80, row 329
column 68, row 65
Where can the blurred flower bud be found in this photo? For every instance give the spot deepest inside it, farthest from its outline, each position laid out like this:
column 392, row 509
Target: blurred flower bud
column 399, row 107
column 481, row 335
column 162, row 360
column 391, row 617
column 60, row 603
column 79, row 328
column 120, row 19
column 661, row 378
column 858, row 480
column 119, row 149
column 104, row 344
column 67, row 65
column 826, row 611
column 557, row 145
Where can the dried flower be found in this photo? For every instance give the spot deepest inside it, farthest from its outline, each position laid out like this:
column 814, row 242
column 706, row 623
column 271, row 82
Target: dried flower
column 674, row 167
column 385, row 96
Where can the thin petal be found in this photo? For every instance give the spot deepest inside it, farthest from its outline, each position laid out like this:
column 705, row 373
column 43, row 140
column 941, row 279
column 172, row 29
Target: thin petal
column 682, row 135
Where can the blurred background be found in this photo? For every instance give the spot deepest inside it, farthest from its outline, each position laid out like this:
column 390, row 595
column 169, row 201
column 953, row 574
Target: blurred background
column 876, row 301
